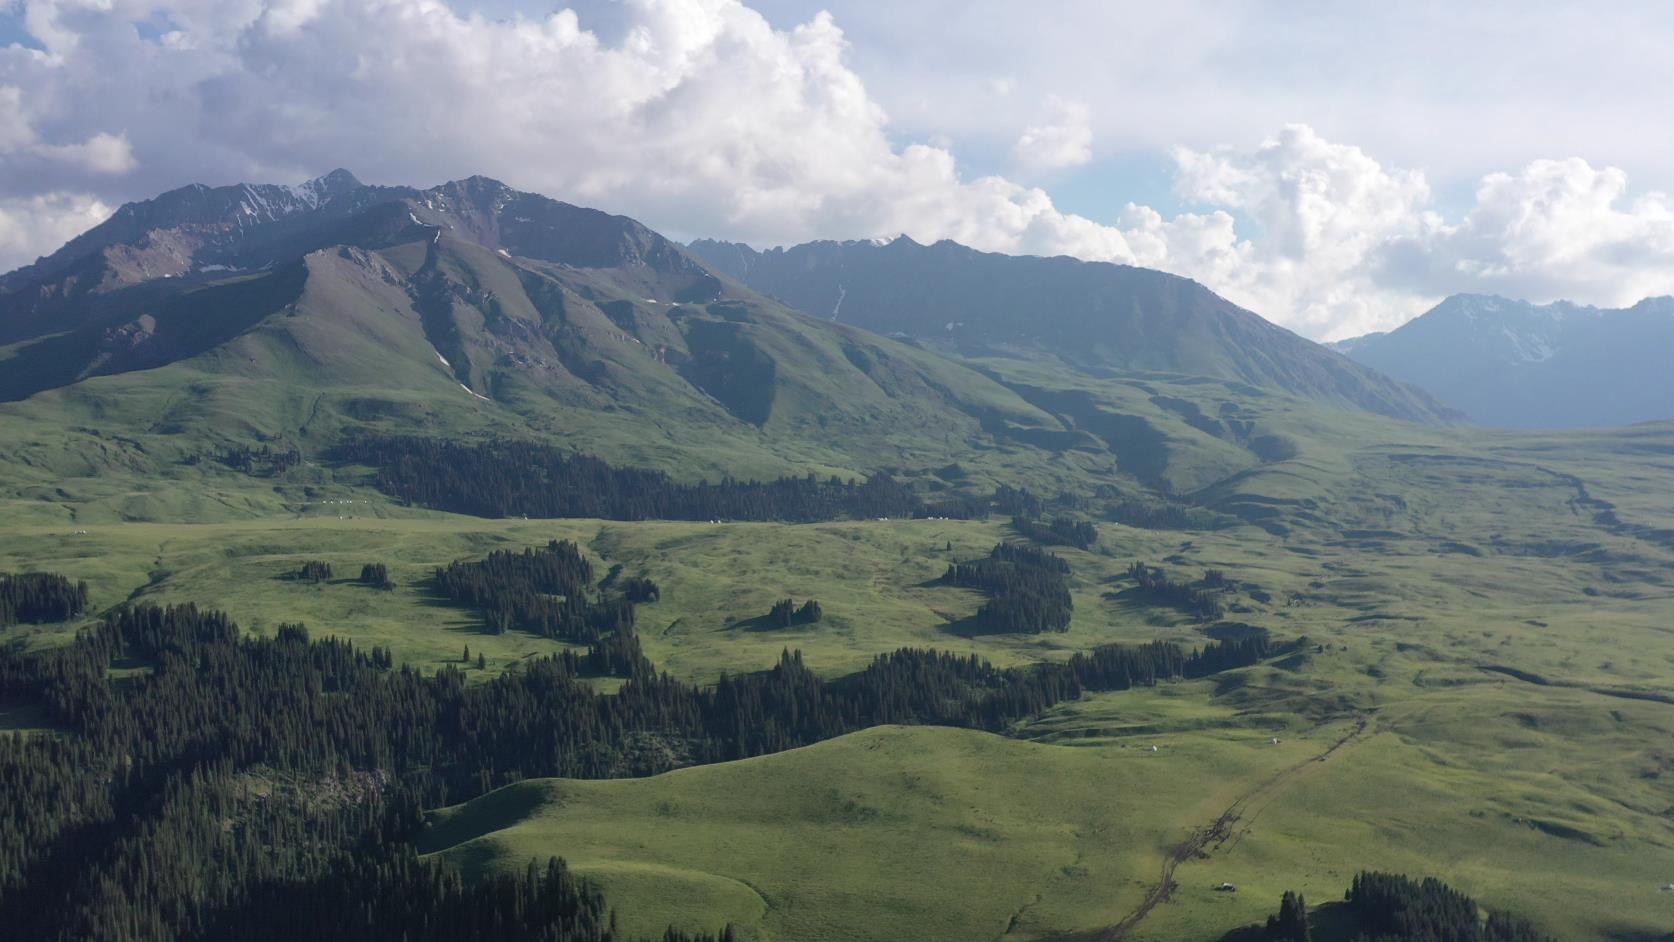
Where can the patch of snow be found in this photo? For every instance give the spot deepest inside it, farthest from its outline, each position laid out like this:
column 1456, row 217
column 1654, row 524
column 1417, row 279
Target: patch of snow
column 842, row 292
column 474, row 393
column 443, row 359
column 307, row 194
column 216, row 268
column 1529, row 348
column 503, row 252
column 414, row 217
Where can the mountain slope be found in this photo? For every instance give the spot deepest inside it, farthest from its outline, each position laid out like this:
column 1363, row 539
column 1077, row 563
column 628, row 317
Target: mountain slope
column 1094, row 316
column 1523, row 365
column 275, row 313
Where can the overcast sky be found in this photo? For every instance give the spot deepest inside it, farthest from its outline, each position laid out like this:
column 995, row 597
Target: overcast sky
column 1335, row 167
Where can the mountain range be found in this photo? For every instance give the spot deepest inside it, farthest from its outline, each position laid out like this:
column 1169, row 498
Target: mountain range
column 293, row 313
column 1512, row 363
column 1093, row 316
column 349, row 303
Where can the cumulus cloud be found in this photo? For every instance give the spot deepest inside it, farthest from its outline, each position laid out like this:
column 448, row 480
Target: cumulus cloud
column 1556, row 229
column 101, row 153
column 1065, row 139
column 701, row 118
column 1342, row 244
column 50, row 219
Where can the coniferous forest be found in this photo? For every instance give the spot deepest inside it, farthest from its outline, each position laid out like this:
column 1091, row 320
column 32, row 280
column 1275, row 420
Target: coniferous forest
column 1027, row 589
column 510, row 478
column 39, row 597
column 547, row 590
column 1388, row 907
column 154, row 811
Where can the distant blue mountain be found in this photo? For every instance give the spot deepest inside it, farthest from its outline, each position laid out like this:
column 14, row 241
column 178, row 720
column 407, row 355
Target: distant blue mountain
column 1513, row 363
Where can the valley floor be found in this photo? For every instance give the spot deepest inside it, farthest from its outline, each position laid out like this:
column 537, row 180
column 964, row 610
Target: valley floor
column 1498, row 726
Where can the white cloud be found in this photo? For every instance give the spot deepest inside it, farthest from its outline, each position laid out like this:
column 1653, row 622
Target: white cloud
column 50, row 219
column 101, row 153
column 701, row 118
column 1319, row 211
column 1341, row 244
column 15, row 132
column 1556, row 229
column 1064, row 140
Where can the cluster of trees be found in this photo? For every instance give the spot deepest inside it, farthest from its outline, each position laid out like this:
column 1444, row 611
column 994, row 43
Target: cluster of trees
column 1202, row 599
column 1397, row 908
column 547, row 590
column 1060, row 531
column 1017, row 502
column 1290, row 924
column 508, row 478
column 262, row 462
column 786, row 613
column 1388, row 907
column 314, row 571
column 1027, row 589
column 37, row 597
column 376, row 575
column 640, row 589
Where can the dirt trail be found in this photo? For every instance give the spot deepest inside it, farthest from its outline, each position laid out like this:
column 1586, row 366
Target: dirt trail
column 1216, row 833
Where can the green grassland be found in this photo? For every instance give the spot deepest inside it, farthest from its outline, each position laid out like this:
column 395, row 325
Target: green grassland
column 891, row 833
column 1519, row 792
column 1458, row 590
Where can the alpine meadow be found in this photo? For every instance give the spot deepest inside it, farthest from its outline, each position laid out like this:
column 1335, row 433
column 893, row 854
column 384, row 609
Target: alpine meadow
column 887, row 552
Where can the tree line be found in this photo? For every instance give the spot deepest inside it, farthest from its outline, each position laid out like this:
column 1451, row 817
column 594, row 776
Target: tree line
column 1201, row 599
column 1388, row 907
column 401, row 898
column 38, row 597
column 513, row 478
column 151, row 813
column 1166, row 515
column 1027, row 589
column 1059, row 531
